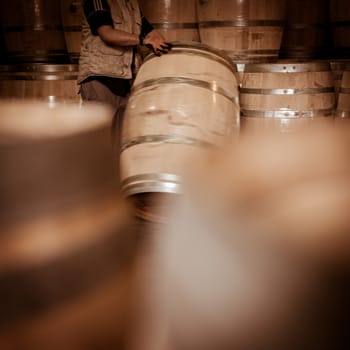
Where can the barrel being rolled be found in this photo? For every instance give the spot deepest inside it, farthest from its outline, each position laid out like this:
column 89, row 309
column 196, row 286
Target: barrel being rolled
column 181, row 104
column 67, row 250
column 285, row 96
column 33, row 31
column 175, row 19
column 50, row 82
column 248, row 31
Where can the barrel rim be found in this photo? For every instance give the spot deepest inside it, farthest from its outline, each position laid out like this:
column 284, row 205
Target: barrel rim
column 287, row 67
column 175, row 25
column 196, row 46
column 282, row 113
column 151, row 182
column 39, row 67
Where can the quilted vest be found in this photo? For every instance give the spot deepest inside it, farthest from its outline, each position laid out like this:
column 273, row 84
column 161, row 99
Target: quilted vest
column 99, row 59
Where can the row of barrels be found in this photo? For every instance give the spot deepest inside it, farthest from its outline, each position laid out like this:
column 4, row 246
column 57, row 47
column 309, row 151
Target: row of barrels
column 253, row 30
column 58, row 81
column 49, row 31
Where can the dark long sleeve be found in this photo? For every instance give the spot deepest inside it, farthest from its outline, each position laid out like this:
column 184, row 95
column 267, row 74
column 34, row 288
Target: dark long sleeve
column 146, row 27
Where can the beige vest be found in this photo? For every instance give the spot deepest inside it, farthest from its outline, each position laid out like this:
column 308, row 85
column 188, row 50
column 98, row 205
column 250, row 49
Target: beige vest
column 99, row 59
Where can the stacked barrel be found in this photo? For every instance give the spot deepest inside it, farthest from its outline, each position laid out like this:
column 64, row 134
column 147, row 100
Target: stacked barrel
column 248, row 31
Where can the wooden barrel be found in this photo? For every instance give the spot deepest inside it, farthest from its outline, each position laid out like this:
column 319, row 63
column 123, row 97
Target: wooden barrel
column 52, row 82
column 71, row 12
column 66, row 246
column 247, row 30
column 306, row 34
column 285, row 96
column 181, row 104
column 343, row 105
column 175, row 19
column 340, row 22
column 33, row 31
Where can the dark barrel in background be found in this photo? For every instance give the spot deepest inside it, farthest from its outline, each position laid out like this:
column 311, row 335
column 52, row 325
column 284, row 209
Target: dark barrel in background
column 33, row 31
column 71, row 13
column 306, row 34
column 340, row 22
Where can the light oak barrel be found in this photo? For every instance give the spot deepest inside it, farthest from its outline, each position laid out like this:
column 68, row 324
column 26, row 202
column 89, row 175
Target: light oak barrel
column 248, row 31
column 286, row 96
column 306, row 34
column 67, row 251
column 340, row 22
column 181, row 104
column 33, row 31
column 71, row 14
column 175, row 19
column 51, row 82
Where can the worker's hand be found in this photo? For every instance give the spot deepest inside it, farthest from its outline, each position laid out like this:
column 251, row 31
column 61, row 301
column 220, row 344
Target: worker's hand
column 156, row 42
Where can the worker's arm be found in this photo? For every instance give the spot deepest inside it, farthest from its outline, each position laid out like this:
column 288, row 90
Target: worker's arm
column 115, row 37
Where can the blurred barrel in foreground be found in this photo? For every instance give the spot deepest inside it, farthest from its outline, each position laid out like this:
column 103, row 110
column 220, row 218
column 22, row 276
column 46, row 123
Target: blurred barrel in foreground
column 306, row 34
column 285, row 96
column 271, row 214
column 71, row 14
column 181, row 104
column 248, row 31
column 53, row 82
column 66, row 248
column 175, row 19
column 33, row 31
column 340, row 22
